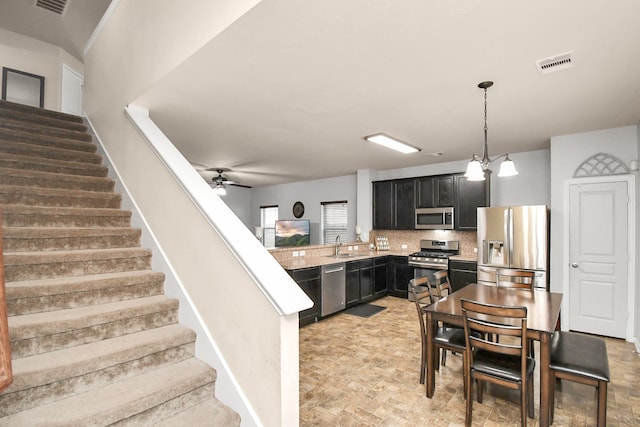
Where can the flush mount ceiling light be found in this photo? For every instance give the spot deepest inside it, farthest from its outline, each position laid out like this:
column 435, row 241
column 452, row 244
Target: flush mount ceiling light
column 394, row 144
column 478, row 165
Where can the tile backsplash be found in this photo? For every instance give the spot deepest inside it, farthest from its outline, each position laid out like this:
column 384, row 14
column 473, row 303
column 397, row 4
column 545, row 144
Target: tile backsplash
column 411, row 238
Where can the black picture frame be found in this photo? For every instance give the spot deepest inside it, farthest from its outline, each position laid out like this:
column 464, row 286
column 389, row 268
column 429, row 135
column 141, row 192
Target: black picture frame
column 29, row 79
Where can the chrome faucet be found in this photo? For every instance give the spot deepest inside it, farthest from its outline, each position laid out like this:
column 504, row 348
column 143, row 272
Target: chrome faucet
column 338, row 244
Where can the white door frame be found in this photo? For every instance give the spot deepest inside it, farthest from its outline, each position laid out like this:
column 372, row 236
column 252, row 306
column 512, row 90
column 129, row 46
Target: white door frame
column 631, row 247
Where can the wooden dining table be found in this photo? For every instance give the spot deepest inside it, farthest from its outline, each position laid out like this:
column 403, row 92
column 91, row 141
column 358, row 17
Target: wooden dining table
column 543, row 313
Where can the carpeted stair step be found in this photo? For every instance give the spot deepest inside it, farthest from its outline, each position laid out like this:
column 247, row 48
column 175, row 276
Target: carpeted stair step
column 50, row 264
column 31, row 178
column 144, row 399
column 11, row 134
column 45, row 378
column 21, row 239
column 39, row 120
column 34, row 196
column 50, row 153
column 43, row 216
column 35, row 296
column 94, row 340
column 40, row 111
column 39, row 333
column 16, row 161
column 203, row 414
column 22, row 126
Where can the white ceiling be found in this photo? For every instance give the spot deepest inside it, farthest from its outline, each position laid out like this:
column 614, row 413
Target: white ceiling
column 69, row 31
column 288, row 92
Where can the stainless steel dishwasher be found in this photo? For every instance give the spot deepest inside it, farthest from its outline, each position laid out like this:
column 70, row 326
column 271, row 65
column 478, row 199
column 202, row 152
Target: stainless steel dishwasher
column 333, row 288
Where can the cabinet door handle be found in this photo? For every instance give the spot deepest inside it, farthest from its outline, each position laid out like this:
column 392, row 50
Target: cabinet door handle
column 574, row 264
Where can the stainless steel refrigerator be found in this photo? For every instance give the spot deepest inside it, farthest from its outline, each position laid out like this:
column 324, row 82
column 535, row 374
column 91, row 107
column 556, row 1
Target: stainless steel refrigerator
column 513, row 237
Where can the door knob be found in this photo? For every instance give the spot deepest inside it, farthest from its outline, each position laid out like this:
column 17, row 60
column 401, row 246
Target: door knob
column 574, row 264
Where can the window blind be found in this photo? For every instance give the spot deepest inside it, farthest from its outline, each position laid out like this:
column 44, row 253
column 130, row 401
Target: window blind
column 334, row 221
column 268, row 217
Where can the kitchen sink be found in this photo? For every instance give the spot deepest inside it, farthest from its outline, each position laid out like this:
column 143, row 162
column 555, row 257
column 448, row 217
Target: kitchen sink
column 341, row 256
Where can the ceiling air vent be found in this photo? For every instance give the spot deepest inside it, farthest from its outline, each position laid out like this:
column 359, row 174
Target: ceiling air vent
column 555, row 63
column 55, row 6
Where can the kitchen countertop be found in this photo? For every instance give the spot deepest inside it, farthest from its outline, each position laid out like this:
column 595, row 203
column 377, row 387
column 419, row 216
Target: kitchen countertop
column 464, row 257
column 320, row 260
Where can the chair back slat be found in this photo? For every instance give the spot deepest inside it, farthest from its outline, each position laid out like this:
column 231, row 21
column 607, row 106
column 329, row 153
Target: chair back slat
column 442, row 284
column 512, row 278
column 497, row 321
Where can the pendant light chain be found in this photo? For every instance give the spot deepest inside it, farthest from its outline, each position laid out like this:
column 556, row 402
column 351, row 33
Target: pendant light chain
column 479, row 165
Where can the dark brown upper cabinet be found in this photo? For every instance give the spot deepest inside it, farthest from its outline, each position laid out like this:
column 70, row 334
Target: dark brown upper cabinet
column 435, row 191
column 395, row 201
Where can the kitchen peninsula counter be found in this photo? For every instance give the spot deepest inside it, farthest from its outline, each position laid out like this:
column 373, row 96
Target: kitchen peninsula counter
column 309, row 261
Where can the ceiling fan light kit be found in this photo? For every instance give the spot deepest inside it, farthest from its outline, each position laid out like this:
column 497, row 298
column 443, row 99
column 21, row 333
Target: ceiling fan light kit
column 478, row 165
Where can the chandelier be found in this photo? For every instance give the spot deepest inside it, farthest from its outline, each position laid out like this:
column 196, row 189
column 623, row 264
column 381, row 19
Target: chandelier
column 478, row 165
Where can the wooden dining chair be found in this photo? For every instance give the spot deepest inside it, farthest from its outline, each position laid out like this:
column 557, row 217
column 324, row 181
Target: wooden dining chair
column 445, row 338
column 512, row 278
column 508, row 363
column 519, row 279
column 442, row 284
column 443, row 288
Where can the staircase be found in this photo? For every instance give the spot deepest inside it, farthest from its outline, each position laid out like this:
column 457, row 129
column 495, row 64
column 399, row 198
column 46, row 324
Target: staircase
column 94, row 341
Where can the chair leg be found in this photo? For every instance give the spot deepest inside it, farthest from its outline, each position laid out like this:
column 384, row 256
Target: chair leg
column 530, row 398
column 552, row 397
column 523, row 407
column 602, row 403
column 423, row 362
column 480, row 386
column 444, row 357
column 469, row 395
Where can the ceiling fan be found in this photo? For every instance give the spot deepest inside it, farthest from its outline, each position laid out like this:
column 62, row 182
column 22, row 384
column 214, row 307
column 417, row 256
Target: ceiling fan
column 219, row 182
column 215, row 175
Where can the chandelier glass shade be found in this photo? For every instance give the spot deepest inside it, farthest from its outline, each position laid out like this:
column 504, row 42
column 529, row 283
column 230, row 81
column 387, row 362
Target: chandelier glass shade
column 479, row 165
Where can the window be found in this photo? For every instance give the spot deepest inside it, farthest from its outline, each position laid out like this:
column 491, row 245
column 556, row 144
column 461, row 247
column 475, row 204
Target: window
column 268, row 217
column 334, row 221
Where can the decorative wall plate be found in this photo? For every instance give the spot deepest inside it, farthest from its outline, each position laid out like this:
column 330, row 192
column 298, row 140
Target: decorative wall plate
column 298, row 209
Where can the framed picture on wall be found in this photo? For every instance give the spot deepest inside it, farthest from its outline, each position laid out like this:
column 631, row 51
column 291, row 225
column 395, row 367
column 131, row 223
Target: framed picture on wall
column 22, row 87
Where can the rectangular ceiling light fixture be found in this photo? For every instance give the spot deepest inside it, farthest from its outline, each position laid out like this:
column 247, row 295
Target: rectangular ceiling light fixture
column 394, row 144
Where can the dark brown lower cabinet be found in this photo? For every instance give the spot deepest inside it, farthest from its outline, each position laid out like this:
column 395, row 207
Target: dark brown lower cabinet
column 380, row 276
column 359, row 282
column 399, row 274
column 309, row 281
column 461, row 273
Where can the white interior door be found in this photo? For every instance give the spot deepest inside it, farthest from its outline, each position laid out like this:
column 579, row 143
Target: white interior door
column 72, row 83
column 598, row 257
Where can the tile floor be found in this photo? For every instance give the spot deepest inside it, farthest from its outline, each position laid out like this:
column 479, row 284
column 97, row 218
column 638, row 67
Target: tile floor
column 365, row 372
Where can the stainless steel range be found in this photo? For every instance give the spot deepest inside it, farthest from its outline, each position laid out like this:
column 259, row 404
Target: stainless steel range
column 433, row 256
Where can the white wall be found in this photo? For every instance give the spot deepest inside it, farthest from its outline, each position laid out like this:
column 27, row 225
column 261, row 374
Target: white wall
column 567, row 153
column 132, row 53
column 239, row 201
column 33, row 56
column 637, row 302
column 311, row 194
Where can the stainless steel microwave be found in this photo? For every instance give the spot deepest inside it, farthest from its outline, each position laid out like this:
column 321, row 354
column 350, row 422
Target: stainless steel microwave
column 434, row 219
